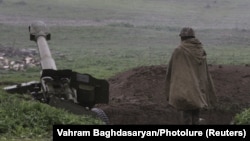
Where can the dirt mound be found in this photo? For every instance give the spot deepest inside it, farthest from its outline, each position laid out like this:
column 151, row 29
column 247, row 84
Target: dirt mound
column 136, row 96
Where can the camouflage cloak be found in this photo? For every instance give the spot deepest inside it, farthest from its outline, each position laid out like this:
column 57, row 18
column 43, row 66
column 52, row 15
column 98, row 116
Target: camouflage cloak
column 188, row 82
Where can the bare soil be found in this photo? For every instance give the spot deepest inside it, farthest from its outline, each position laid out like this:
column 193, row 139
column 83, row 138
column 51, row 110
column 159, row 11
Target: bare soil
column 136, row 96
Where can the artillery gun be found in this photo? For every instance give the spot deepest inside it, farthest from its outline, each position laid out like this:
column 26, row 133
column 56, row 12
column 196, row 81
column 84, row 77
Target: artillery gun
column 67, row 89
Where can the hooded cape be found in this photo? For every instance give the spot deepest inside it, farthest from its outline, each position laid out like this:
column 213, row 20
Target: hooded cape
column 188, row 82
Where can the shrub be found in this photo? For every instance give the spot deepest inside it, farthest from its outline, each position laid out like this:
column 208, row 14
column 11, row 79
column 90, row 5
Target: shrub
column 242, row 117
column 21, row 117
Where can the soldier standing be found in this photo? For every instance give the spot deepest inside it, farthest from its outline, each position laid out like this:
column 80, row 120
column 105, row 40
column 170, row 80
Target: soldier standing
column 189, row 86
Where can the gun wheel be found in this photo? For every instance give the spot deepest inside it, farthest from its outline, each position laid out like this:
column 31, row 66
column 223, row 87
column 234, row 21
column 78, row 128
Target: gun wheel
column 101, row 114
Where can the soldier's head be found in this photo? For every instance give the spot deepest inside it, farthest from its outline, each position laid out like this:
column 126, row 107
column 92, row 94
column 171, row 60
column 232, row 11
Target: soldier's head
column 187, row 33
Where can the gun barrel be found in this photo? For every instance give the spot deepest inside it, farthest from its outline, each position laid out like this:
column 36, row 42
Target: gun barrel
column 47, row 62
column 39, row 33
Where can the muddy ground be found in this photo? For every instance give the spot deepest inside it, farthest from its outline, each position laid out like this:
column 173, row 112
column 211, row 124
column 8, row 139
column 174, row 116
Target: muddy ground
column 136, row 96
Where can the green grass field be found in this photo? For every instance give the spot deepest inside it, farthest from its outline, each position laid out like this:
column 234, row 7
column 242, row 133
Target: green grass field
column 106, row 50
column 105, row 37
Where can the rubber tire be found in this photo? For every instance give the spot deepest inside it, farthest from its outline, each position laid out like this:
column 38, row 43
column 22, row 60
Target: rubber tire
column 101, row 114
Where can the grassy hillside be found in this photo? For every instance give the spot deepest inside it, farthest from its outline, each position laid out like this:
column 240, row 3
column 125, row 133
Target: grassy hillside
column 104, row 37
column 197, row 13
column 106, row 50
column 22, row 117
